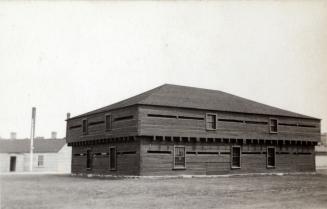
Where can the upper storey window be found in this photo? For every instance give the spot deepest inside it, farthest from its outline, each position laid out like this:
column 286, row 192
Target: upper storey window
column 273, row 126
column 211, row 121
column 108, row 121
column 84, row 126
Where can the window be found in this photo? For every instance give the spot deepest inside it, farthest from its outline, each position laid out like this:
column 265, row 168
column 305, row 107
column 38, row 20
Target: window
column 40, row 161
column 108, row 122
column 211, row 121
column 179, row 157
column 112, row 158
column 236, row 157
column 270, row 157
column 84, row 125
column 89, row 159
column 273, row 126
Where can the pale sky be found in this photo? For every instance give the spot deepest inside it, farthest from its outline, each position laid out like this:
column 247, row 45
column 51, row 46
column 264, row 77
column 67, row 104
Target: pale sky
column 78, row 56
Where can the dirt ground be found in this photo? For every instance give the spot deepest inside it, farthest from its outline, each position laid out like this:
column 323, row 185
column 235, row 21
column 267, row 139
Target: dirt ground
column 63, row 191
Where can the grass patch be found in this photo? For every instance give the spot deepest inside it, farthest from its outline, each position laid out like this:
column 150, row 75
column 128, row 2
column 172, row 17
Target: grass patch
column 60, row 191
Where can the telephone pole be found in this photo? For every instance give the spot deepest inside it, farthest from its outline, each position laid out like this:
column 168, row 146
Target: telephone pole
column 32, row 137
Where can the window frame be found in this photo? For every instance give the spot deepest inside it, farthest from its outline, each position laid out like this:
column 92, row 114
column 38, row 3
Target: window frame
column 89, row 164
column 110, row 155
column 106, row 121
column 270, row 125
column 206, row 121
column 174, row 156
column 232, row 155
column 85, row 126
column 38, row 161
column 271, row 166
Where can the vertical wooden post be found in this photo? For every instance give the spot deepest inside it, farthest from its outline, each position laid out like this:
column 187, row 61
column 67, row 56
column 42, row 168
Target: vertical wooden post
column 32, row 137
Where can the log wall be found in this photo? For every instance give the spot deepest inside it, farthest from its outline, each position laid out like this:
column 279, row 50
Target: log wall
column 96, row 126
column 127, row 160
column 229, row 125
column 215, row 159
column 212, row 156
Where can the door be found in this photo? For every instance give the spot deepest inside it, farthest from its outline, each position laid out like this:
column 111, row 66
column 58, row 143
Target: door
column 89, row 159
column 12, row 163
column 113, row 158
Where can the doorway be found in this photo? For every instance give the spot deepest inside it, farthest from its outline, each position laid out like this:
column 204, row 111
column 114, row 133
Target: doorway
column 12, row 163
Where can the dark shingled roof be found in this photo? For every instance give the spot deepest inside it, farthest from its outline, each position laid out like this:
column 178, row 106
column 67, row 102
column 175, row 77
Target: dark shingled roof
column 198, row 98
column 23, row 145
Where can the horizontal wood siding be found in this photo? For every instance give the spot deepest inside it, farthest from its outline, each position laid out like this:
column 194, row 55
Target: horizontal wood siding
column 208, row 157
column 253, row 159
column 120, row 128
column 159, row 126
column 127, row 164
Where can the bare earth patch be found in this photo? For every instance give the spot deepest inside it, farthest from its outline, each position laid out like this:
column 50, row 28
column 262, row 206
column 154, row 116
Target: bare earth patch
column 60, row 191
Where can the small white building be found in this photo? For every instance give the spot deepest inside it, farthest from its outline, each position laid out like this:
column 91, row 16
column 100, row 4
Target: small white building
column 321, row 153
column 50, row 155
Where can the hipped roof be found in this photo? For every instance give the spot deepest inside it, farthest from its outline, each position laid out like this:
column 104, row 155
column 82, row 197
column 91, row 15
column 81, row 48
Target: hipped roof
column 197, row 98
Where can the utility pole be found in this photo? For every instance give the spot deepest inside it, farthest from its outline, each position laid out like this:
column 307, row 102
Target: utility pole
column 32, row 137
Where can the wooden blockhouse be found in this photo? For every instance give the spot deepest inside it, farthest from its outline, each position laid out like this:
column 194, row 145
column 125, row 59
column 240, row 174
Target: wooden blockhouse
column 178, row 130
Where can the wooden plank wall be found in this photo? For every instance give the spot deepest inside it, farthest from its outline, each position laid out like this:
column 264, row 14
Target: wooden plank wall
column 119, row 128
column 214, row 164
column 127, row 164
column 188, row 123
column 156, row 126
